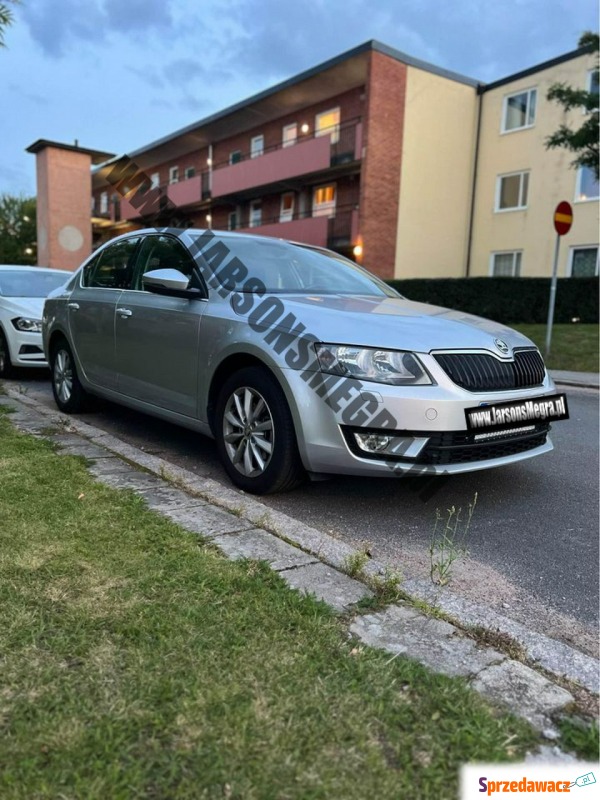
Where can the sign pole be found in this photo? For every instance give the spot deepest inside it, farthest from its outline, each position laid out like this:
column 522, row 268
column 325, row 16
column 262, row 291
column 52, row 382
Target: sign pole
column 552, row 296
column 563, row 219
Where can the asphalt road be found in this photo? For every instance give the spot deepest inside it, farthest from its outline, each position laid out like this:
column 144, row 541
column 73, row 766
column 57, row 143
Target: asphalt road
column 533, row 541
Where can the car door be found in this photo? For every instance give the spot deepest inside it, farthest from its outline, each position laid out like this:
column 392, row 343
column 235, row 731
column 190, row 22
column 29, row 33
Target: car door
column 157, row 337
column 91, row 310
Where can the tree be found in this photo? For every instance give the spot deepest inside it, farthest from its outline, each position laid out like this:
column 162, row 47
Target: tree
column 17, row 230
column 6, row 18
column 583, row 141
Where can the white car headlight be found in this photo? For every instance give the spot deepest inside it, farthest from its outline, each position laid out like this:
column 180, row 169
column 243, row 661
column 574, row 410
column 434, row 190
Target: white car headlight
column 29, row 325
column 372, row 364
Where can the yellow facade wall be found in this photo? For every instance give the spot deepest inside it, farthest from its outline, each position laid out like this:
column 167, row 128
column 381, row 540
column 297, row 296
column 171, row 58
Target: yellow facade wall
column 436, row 180
column 550, row 178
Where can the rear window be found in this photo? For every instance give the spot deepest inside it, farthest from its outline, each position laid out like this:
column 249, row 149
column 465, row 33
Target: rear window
column 30, row 283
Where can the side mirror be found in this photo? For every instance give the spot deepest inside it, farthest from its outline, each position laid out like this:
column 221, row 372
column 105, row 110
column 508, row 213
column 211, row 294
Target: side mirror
column 158, row 279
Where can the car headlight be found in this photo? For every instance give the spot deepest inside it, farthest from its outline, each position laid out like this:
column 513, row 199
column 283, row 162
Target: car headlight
column 396, row 367
column 27, row 324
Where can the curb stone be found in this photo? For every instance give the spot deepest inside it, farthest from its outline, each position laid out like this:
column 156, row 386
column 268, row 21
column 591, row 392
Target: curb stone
column 308, row 560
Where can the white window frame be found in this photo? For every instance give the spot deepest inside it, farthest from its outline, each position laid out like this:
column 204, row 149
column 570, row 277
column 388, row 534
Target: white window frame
column 186, row 172
column 173, row 175
column 521, row 206
column 528, row 92
column 287, row 215
column 514, row 254
column 575, row 247
column 104, row 203
column 154, row 180
column 578, row 198
column 292, row 141
column 257, row 146
column 255, row 205
column 231, row 155
column 324, row 209
column 334, row 130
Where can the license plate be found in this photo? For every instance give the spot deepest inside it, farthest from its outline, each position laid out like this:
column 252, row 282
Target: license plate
column 505, row 416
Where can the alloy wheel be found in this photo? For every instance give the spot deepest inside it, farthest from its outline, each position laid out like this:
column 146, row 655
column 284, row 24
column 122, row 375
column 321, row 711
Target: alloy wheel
column 248, row 431
column 63, row 376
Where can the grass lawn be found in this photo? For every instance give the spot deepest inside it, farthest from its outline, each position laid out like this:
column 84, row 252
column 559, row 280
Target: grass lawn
column 136, row 662
column 573, row 346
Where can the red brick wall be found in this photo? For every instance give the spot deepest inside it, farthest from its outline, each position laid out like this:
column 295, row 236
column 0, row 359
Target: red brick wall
column 380, row 180
column 64, row 229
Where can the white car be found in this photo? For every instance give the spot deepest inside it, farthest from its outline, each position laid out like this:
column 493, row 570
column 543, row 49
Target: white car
column 22, row 294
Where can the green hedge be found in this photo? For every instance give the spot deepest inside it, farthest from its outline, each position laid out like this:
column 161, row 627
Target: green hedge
column 507, row 300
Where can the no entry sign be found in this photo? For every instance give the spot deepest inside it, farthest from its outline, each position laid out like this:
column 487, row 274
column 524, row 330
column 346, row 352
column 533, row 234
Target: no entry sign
column 563, row 218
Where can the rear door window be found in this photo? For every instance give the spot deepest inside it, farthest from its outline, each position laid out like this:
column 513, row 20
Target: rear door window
column 112, row 268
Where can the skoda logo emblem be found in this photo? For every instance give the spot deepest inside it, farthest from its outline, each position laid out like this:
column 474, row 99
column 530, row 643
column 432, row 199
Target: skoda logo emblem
column 502, row 346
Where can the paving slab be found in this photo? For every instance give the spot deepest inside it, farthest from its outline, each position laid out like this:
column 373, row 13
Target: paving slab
column 326, row 583
column 87, row 450
column 110, row 465
column 168, row 498
column 120, row 478
column 526, row 693
column 263, row 546
column 433, row 642
column 68, row 440
column 207, row 520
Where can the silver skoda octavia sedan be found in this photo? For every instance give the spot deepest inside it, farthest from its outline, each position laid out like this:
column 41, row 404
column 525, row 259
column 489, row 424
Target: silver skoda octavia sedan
column 296, row 360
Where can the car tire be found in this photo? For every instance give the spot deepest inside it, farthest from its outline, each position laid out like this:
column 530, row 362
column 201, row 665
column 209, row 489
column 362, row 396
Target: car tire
column 255, row 433
column 69, row 394
column 6, row 367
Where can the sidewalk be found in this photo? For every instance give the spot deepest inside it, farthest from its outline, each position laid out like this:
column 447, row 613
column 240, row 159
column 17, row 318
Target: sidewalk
column 584, row 380
column 312, row 562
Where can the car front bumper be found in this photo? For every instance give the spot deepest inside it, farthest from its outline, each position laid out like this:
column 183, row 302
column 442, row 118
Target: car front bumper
column 26, row 349
column 430, row 420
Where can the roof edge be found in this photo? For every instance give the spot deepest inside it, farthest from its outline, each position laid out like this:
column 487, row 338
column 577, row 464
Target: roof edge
column 553, row 62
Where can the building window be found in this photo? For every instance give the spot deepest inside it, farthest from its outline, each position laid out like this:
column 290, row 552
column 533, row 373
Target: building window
column 506, row 265
column 583, row 262
column 173, row 174
column 232, row 221
column 289, row 134
column 519, row 111
column 257, row 146
column 511, row 191
column 235, row 156
column 587, row 185
column 287, row 207
column 255, row 214
column 324, row 201
column 328, row 124
column 154, row 180
column 104, row 203
column 189, row 172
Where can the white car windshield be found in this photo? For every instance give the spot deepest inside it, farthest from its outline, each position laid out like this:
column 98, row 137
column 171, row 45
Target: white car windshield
column 30, row 283
column 290, row 268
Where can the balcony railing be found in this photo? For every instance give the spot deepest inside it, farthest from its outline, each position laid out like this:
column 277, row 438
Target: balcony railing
column 339, row 230
column 310, row 153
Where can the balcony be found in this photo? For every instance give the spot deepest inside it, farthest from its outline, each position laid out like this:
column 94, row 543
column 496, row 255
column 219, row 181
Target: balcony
column 338, row 231
column 309, row 154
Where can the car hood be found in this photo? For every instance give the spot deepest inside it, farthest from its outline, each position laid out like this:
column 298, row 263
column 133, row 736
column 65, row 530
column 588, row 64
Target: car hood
column 31, row 307
column 397, row 323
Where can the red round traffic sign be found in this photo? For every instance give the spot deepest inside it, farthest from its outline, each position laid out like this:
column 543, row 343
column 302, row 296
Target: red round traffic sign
column 563, row 218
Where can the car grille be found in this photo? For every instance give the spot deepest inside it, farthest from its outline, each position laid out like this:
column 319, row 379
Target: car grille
column 460, row 447
column 477, row 372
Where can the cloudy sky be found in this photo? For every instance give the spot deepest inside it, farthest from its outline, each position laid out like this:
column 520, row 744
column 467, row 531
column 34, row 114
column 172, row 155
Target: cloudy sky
column 116, row 74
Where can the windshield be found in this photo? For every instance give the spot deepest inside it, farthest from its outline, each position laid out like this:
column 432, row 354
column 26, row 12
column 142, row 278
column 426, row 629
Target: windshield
column 292, row 268
column 30, row 283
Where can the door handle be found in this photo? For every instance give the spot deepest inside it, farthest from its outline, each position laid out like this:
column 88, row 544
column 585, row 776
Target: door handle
column 74, row 306
column 124, row 312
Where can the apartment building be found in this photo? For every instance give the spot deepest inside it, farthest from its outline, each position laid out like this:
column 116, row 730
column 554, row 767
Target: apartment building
column 412, row 170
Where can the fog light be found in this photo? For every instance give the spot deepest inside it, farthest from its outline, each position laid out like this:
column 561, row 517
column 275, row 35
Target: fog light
column 372, row 442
